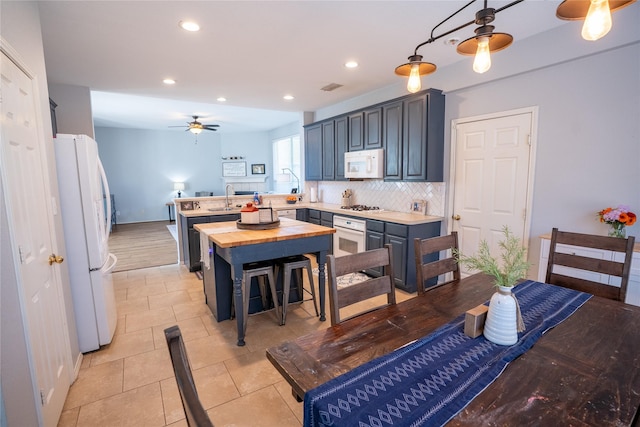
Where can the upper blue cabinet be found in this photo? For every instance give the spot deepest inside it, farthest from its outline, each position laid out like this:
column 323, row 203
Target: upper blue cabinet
column 410, row 129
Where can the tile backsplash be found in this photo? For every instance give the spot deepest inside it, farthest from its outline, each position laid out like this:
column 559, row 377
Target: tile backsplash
column 396, row 196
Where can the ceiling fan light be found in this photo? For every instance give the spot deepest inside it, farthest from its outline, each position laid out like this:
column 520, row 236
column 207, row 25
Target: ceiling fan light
column 195, row 130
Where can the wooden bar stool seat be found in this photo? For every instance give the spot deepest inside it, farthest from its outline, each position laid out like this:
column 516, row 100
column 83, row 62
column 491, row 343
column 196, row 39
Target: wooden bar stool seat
column 289, row 265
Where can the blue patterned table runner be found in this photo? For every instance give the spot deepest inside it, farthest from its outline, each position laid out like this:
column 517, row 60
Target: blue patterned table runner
column 430, row 380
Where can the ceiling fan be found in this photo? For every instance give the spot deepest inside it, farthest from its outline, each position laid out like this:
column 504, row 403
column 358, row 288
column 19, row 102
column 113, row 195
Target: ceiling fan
column 196, row 127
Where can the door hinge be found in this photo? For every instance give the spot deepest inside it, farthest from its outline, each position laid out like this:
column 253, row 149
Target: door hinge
column 42, row 398
column 524, row 214
column 529, row 139
column 21, row 254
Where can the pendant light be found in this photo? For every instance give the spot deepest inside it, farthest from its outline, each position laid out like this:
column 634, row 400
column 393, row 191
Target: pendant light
column 415, row 69
column 485, row 41
column 596, row 15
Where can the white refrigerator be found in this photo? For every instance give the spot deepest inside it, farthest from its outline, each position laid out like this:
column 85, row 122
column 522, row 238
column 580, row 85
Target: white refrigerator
column 85, row 206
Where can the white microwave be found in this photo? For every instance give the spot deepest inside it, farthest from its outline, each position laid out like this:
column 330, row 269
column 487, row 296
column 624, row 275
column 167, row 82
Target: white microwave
column 364, row 164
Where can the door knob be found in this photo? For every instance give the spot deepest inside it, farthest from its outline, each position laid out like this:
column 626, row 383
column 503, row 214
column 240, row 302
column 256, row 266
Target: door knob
column 55, row 258
column 456, row 217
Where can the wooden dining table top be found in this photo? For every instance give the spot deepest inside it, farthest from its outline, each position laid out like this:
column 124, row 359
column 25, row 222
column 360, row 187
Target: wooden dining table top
column 585, row 371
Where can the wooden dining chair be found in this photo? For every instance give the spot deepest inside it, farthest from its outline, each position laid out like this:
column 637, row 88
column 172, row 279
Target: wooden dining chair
column 342, row 295
column 583, row 264
column 430, row 248
column 193, row 409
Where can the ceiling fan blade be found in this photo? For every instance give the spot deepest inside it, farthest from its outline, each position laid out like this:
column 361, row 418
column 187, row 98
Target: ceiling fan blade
column 210, row 129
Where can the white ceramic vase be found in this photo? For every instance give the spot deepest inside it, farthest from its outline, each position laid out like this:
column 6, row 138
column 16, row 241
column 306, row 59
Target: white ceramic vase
column 501, row 326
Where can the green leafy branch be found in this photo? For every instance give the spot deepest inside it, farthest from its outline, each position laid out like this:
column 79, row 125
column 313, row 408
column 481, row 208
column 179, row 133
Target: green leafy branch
column 514, row 260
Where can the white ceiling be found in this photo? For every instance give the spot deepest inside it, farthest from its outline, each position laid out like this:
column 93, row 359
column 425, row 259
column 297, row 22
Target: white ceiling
column 251, row 52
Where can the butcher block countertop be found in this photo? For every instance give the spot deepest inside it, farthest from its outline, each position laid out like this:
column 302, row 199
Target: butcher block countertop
column 405, row 218
column 227, row 234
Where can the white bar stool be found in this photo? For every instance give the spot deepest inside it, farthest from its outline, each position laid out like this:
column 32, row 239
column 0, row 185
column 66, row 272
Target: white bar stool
column 289, row 265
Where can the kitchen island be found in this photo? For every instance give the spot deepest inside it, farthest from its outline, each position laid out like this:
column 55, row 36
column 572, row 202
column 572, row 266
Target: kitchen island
column 231, row 247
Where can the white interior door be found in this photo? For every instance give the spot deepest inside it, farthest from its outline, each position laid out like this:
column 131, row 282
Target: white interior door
column 31, row 219
column 491, row 183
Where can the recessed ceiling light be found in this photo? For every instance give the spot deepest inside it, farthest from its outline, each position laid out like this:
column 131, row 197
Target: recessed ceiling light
column 222, row 99
column 169, row 81
column 351, row 64
column 288, row 97
column 189, row 26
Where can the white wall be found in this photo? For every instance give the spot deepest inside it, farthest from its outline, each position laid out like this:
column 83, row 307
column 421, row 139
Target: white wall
column 141, row 165
column 73, row 113
column 588, row 152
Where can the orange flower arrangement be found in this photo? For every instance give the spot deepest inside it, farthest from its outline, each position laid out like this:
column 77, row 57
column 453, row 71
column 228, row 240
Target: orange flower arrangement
column 618, row 219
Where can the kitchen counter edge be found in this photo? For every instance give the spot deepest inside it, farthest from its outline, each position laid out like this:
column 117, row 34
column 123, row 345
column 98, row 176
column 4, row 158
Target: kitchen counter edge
column 405, row 218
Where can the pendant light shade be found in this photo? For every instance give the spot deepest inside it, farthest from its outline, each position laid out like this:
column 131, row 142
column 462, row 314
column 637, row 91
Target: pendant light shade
column 485, row 41
column 596, row 15
column 497, row 41
column 415, row 69
column 576, row 10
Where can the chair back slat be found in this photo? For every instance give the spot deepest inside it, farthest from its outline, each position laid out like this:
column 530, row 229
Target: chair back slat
column 341, row 297
column 596, row 265
column 587, row 264
column 429, row 250
column 364, row 290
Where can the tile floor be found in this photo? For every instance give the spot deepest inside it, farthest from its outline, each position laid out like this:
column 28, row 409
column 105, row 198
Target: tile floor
column 130, row 382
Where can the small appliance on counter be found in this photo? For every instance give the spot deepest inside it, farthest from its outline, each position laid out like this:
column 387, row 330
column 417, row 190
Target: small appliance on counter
column 346, row 199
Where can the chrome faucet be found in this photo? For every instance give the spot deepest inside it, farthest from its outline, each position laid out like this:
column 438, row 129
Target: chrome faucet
column 227, row 205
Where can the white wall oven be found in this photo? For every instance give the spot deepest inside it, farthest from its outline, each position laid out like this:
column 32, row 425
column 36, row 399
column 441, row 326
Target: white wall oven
column 350, row 235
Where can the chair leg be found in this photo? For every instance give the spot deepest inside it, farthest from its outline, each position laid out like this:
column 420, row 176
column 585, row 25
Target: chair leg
column 313, row 288
column 274, row 296
column 286, row 287
column 246, row 291
column 263, row 291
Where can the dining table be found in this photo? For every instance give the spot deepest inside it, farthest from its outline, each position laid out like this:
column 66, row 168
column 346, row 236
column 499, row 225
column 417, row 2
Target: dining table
column 582, row 371
column 233, row 245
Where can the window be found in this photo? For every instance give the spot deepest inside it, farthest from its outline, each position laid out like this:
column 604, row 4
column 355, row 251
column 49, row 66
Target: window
column 286, row 154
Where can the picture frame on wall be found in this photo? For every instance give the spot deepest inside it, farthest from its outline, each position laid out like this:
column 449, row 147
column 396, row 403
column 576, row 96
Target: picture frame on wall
column 419, row 206
column 186, row 206
column 257, row 169
column 234, row 169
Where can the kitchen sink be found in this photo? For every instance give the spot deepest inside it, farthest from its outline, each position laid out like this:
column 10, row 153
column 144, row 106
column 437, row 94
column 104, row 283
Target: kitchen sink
column 233, row 210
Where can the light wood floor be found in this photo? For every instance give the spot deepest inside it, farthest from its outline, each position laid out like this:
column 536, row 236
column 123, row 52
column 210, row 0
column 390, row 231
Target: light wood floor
column 142, row 245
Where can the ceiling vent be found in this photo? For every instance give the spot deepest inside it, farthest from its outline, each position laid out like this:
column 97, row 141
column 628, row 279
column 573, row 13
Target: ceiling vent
column 330, row 87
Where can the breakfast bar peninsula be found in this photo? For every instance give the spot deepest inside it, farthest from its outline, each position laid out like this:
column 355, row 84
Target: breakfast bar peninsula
column 231, row 247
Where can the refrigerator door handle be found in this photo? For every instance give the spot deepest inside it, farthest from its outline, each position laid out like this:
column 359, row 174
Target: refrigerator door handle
column 105, row 184
column 114, row 260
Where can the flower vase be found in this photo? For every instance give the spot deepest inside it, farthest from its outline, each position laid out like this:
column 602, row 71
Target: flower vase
column 503, row 319
column 618, row 230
